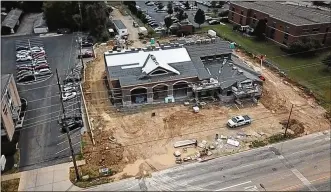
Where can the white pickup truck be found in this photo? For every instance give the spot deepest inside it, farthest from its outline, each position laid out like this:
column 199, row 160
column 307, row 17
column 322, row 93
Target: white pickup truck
column 239, row 120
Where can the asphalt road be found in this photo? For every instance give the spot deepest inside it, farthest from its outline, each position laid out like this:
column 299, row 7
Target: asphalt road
column 41, row 141
column 159, row 17
column 302, row 164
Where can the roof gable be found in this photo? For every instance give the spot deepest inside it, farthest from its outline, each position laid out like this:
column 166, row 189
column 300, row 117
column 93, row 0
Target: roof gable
column 151, row 64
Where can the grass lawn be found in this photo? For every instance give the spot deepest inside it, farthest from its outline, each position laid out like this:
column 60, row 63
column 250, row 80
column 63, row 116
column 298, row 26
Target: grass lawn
column 307, row 71
column 10, row 185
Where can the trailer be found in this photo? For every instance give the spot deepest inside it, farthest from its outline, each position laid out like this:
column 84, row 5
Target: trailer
column 120, row 28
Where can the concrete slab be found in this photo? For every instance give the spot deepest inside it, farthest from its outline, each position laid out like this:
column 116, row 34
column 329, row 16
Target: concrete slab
column 28, row 180
column 46, row 169
column 48, row 187
column 29, row 189
column 60, row 175
column 62, row 185
column 44, row 178
column 61, row 166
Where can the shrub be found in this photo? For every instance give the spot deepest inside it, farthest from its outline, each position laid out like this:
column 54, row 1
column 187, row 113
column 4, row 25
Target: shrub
column 223, row 13
column 303, row 47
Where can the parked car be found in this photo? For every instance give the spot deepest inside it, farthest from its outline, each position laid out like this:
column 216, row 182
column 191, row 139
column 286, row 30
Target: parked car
column 63, row 31
column 23, row 58
column 71, row 80
column 27, row 78
column 68, row 96
column 20, row 48
column 42, row 66
column 26, row 52
column 161, row 11
column 238, row 121
column 25, row 73
column 25, row 68
column 213, row 22
column 87, row 44
column 39, row 62
column 68, row 89
column 150, row 4
column 71, row 125
column 23, row 65
column 43, row 72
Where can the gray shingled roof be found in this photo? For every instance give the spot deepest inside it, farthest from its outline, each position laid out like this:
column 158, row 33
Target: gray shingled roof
column 12, row 18
column 4, row 82
column 119, row 24
column 293, row 14
column 40, row 22
column 131, row 76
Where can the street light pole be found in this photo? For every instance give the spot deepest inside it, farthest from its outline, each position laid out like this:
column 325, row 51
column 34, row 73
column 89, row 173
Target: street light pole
column 67, row 129
column 288, row 121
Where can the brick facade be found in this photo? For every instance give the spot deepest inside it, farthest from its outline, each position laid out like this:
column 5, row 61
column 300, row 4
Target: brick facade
column 277, row 30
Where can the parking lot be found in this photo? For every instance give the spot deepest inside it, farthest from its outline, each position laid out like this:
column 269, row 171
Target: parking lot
column 41, row 141
column 159, row 17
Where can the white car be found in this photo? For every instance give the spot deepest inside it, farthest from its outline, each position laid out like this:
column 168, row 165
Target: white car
column 68, row 96
column 23, row 58
column 36, row 47
column 150, row 3
column 38, row 51
column 239, row 120
column 68, row 89
column 23, row 52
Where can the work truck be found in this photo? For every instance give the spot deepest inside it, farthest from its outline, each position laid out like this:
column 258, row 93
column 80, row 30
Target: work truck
column 239, row 120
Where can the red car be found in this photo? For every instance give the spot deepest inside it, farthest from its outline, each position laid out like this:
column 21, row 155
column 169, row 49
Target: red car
column 42, row 66
column 38, row 55
column 24, row 68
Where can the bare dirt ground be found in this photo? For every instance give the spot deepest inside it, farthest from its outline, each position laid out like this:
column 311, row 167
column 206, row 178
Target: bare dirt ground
column 137, row 143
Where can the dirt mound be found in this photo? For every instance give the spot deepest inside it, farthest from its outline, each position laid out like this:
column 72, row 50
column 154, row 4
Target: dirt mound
column 294, row 125
column 272, row 101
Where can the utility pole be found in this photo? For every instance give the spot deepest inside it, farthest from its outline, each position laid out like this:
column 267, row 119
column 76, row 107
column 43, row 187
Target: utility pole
column 80, row 43
column 288, row 121
column 66, row 127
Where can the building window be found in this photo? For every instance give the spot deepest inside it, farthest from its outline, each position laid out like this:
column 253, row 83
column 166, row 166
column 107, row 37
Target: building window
column 327, row 29
column 233, row 9
column 159, row 72
column 272, row 33
column 242, row 12
column 254, row 16
column 287, row 29
column 274, row 25
column 285, row 36
column 316, row 30
column 305, row 30
column 241, row 20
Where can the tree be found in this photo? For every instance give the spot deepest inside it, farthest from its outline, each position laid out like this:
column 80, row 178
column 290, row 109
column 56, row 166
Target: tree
column 213, row 3
column 224, row 13
column 220, row 4
column 306, row 46
column 168, row 23
column 181, row 15
column 195, row 3
column 260, row 28
column 176, row 9
column 327, row 60
column 187, row 5
column 215, row 11
column 160, row 6
column 169, row 6
column 199, row 17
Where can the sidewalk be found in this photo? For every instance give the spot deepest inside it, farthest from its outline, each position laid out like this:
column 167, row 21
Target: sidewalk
column 53, row 178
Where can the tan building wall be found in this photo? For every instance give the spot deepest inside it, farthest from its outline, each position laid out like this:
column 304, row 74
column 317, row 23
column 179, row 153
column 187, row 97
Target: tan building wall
column 10, row 111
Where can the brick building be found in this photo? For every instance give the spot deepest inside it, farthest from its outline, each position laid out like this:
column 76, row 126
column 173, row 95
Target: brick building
column 10, row 106
column 285, row 23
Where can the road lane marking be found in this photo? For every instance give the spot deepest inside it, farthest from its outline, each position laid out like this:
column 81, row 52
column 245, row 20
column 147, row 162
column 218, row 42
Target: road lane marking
column 234, row 186
column 303, row 179
column 295, row 186
column 251, row 188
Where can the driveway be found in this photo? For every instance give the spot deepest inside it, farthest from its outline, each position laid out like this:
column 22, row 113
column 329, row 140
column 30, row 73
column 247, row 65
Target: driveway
column 128, row 22
column 41, row 142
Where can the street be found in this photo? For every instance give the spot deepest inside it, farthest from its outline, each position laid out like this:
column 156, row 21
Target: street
column 41, row 142
column 302, row 164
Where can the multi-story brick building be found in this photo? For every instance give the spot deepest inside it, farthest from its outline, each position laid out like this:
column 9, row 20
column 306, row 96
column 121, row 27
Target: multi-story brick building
column 10, row 107
column 285, row 23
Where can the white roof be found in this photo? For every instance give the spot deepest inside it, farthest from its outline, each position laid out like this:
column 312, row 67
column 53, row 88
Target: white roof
column 163, row 57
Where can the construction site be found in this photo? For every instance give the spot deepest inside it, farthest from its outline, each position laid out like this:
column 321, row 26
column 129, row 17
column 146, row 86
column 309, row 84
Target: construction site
column 150, row 135
column 133, row 143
